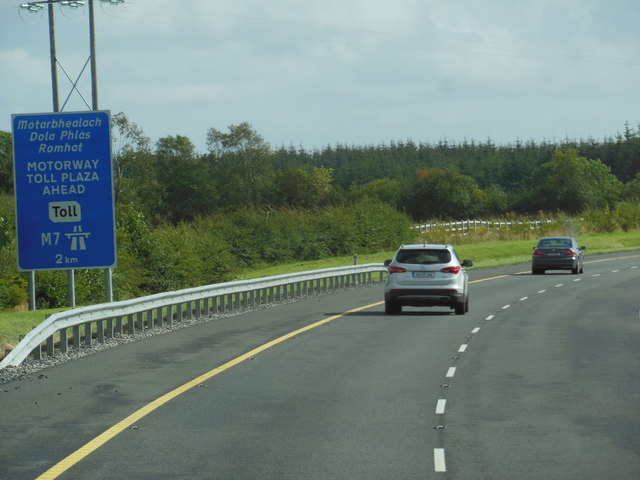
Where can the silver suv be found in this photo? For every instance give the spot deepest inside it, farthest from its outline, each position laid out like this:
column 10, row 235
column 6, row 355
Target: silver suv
column 426, row 276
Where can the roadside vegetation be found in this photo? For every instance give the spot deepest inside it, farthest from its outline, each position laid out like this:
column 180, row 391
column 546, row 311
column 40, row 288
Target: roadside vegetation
column 244, row 209
column 491, row 253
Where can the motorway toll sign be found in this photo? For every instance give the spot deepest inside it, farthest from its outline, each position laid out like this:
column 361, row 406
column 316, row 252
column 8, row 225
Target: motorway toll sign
column 63, row 182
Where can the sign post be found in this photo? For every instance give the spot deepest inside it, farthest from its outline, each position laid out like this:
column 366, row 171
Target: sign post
column 63, row 182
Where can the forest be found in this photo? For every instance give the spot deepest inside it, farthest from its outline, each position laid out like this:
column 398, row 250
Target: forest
column 185, row 218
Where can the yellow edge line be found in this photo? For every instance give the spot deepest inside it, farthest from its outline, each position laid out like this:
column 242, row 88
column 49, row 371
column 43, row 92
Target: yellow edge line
column 489, row 278
column 119, row 427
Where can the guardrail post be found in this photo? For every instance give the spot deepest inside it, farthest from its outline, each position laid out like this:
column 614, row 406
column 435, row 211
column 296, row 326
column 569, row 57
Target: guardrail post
column 139, row 322
column 87, row 334
column 244, row 300
column 131, row 327
column 214, row 301
column 118, row 330
column 235, row 302
column 76, row 336
column 63, row 340
column 109, row 333
column 160, row 319
column 170, row 315
column 50, row 346
column 100, row 327
column 37, row 352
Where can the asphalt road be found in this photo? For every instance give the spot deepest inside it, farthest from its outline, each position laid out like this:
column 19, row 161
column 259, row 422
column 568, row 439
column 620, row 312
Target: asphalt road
column 538, row 381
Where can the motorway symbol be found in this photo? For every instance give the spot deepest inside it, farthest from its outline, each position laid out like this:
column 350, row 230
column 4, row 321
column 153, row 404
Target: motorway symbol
column 78, row 238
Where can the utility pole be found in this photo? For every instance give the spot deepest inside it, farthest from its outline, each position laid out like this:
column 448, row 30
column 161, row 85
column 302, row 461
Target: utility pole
column 36, row 6
column 54, row 69
column 92, row 53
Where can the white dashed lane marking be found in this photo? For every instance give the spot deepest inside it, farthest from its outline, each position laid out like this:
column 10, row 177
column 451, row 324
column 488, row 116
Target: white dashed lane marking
column 438, row 460
column 438, row 453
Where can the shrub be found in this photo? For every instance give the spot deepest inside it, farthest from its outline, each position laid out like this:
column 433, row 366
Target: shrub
column 14, row 290
column 599, row 221
column 627, row 215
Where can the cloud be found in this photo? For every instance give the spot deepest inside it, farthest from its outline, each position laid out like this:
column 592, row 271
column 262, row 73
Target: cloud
column 352, row 71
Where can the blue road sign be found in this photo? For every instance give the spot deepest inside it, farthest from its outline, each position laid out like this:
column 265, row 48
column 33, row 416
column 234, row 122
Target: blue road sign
column 64, row 190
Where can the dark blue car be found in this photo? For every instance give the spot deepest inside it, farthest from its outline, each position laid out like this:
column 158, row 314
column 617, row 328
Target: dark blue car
column 557, row 253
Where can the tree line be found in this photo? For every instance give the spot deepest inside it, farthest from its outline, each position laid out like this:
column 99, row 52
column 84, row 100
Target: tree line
column 186, row 218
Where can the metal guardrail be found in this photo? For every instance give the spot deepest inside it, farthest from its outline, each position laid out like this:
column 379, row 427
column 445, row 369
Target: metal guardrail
column 128, row 316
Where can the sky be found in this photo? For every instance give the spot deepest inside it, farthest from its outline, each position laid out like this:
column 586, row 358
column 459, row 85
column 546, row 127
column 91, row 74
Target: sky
column 316, row 73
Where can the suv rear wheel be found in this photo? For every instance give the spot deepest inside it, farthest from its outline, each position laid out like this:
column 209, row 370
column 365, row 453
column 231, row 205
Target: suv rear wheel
column 392, row 308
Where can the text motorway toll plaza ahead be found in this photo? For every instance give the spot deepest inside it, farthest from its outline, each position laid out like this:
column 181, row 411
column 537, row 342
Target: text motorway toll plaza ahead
column 64, row 190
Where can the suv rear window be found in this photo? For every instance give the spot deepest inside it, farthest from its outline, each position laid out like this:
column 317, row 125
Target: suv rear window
column 423, row 257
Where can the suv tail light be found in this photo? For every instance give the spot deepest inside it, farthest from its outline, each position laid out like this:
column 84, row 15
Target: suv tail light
column 393, row 269
column 454, row 270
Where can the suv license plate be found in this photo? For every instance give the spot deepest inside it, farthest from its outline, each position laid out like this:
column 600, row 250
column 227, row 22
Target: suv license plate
column 423, row 275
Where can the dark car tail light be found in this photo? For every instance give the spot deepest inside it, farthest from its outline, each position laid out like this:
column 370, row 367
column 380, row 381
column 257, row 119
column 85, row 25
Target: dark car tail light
column 454, row 270
column 570, row 253
column 538, row 253
column 393, row 269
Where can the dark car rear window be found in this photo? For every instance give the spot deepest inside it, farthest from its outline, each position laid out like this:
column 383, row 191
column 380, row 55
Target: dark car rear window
column 555, row 243
column 423, row 257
